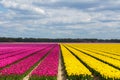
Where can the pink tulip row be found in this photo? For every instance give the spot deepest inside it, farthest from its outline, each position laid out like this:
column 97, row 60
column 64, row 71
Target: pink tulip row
column 23, row 45
column 24, row 65
column 49, row 66
column 17, row 52
column 6, row 50
column 9, row 60
column 10, row 48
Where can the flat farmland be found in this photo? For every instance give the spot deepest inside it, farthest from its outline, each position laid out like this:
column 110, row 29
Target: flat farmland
column 59, row 61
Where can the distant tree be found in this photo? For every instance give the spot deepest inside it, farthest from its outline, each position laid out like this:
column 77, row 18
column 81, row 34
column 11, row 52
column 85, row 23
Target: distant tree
column 5, row 39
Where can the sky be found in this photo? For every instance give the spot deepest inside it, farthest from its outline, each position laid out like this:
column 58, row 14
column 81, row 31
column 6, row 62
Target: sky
column 60, row 18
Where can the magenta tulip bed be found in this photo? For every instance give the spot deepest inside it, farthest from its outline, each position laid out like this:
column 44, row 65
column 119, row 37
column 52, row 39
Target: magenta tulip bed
column 20, row 59
column 49, row 67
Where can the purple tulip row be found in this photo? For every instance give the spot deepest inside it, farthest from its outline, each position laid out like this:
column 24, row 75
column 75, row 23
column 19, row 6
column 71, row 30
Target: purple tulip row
column 49, row 66
column 9, row 60
column 24, row 65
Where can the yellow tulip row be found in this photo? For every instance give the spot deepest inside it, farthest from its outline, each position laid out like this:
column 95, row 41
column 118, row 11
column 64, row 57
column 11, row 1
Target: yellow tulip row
column 104, row 58
column 105, row 54
column 73, row 66
column 105, row 70
column 115, row 62
column 110, row 48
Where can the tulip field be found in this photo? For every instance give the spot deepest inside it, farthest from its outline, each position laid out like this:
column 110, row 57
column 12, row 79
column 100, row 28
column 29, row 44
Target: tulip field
column 41, row 61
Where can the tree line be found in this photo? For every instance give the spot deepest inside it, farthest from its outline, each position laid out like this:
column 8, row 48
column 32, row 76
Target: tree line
column 6, row 39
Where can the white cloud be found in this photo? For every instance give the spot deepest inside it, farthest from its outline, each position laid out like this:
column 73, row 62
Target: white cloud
column 22, row 6
column 21, row 17
column 2, row 22
column 65, row 15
